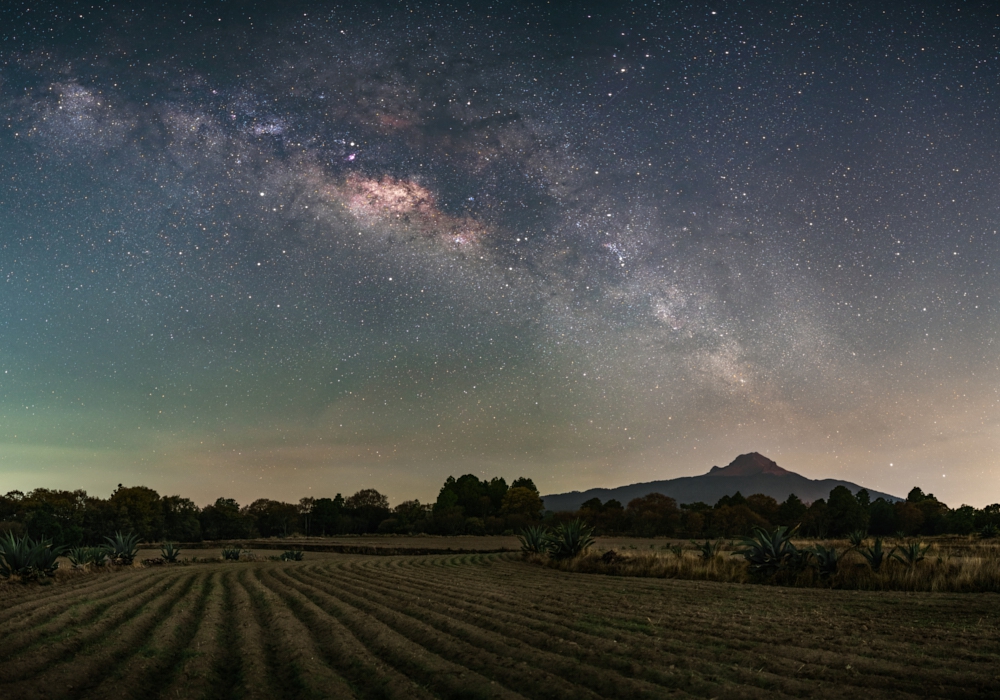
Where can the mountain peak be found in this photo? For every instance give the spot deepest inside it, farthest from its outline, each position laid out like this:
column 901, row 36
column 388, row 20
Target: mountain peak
column 750, row 464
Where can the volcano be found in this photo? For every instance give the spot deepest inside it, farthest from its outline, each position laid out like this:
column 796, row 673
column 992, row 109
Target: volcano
column 749, row 474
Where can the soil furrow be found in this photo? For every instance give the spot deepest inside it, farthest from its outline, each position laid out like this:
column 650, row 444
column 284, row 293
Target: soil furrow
column 78, row 673
column 42, row 606
column 439, row 675
column 73, row 613
column 717, row 651
column 293, row 657
column 28, row 598
column 63, row 646
column 149, row 667
column 253, row 673
column 369, row 677
column 191, row 676
column 491, row 653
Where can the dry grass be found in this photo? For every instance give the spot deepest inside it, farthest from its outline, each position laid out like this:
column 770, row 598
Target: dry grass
column 952, row 565
column 484, row 626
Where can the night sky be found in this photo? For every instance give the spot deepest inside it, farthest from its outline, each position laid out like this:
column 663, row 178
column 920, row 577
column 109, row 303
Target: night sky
column 283, row 250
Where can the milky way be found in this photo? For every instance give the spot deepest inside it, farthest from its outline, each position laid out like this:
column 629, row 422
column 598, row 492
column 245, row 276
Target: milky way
column 284, row 250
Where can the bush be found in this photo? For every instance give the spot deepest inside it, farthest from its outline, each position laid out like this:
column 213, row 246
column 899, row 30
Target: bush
column 231, row 553
column 292, row 555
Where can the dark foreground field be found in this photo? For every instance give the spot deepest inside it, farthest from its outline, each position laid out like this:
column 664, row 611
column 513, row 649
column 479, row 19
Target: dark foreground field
column 490, row 625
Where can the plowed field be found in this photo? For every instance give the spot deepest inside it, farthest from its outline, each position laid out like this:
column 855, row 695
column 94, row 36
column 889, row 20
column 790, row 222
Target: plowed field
column 481, row 626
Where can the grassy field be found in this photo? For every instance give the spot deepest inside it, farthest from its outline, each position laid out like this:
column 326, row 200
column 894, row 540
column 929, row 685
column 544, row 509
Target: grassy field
column 480, row 626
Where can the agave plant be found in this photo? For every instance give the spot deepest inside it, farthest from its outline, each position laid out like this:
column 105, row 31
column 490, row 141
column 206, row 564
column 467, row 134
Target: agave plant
column 875, row 555
column 231, row 553
column 292, row 555
column 123, row 549
column 677, row 550
column 857, row 538
column 826, row 560
column 911, row 553
column 709, row 550
column 533, row 540
column 569, row 539
column 25, row 559
column 79, row 557
column 769, row 552
column 989, row 531
column 169, row 551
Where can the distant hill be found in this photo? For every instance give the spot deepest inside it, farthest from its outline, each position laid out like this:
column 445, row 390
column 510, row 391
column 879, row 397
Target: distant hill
column 748, row 474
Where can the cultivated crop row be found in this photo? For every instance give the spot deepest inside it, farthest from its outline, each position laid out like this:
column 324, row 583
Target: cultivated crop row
column 480, row 626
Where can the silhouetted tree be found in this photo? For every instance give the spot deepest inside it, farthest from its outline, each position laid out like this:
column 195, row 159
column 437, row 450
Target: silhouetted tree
column 180, row 520
column 844, row 513
column 367, row 508
column 764, row 506
column 137, row 509
column 223, row 521
column 653, row 514
column 272, row 518
column 791, row 511
column 326, row 515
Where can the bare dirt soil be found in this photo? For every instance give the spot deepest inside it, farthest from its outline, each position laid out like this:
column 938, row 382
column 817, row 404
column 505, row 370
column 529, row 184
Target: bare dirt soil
column 480, row 626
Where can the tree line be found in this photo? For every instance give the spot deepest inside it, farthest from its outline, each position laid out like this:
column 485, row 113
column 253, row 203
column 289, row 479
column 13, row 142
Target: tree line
column 467, row 505
column 839, row 515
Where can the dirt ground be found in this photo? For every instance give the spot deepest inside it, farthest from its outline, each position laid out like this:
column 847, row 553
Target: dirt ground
column 479, row 625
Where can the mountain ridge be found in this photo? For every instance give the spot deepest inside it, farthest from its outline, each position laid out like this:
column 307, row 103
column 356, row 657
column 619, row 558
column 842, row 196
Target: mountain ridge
column 749, row 474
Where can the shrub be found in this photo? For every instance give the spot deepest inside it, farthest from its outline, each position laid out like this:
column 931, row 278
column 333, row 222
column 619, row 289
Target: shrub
column 170, row 552
column 569, row 539
column 292, row 555
column 123, row 549
column 767, row 553
column 231, row 553
column 533, row 540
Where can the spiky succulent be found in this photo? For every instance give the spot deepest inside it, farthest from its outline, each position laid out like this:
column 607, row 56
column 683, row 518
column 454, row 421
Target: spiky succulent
column 767, row 553
column 875, row 555
column 910, row 554
column 533, row 539
column 123, row 549
column 292, row 555
column 26, row 559
column 709, row 550
column 825, row 560
column 569, row 539
column 857, row 538
column 169, row 551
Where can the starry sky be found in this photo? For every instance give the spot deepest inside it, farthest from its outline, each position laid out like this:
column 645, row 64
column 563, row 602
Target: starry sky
column 293, row 249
